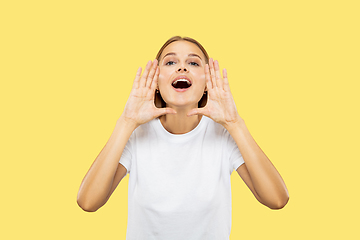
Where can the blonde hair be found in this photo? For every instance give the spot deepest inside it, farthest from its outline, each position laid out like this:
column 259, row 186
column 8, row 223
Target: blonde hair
column 159, row 102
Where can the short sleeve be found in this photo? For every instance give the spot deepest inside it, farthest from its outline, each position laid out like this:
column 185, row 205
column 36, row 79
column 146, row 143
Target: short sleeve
column 235, row 156
column 126, row 155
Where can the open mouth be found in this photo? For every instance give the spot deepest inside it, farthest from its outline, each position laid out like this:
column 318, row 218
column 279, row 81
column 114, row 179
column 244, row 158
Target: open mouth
column 181, row 84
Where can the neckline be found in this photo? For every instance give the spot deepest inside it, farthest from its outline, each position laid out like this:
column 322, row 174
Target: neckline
column 179, row 137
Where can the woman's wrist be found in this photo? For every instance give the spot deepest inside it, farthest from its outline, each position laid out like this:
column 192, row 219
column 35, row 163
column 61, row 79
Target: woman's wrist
column 128, row 123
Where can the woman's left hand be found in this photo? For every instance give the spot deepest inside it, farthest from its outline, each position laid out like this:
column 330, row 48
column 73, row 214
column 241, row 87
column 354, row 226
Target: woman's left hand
column 220, row 105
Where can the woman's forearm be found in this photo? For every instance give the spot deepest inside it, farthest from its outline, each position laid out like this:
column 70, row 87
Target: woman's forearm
column 97, row 182
column 266, row 180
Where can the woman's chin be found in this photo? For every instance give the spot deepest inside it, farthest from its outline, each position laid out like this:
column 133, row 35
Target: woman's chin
column 182, row 104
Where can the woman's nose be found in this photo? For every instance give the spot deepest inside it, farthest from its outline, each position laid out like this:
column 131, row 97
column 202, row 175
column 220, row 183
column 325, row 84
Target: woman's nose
column 182, row 69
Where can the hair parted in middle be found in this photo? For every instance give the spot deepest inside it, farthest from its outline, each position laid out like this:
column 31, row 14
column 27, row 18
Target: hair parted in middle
column 159, row 102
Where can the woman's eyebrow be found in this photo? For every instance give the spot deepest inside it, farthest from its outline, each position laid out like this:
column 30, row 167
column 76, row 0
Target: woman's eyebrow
column 190, row 55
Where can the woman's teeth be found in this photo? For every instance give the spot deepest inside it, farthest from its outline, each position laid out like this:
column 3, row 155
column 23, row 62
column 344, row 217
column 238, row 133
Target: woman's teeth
column 183, row 80
column 181, row 83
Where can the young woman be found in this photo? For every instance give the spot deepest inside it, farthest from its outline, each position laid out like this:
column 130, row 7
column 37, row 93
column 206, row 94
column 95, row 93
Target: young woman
column 180, row 137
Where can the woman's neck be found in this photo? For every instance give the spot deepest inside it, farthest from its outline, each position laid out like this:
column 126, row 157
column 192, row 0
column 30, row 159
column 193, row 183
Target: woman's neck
column 179, row 123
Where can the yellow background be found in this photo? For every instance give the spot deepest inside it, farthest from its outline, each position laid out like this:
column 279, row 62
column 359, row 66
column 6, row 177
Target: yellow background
column 66, row 72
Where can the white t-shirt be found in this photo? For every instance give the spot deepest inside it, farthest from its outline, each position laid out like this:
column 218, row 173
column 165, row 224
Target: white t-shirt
column 179, row 184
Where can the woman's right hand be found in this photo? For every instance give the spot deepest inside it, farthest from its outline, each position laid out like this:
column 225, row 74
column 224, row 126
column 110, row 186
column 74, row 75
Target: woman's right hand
column 140, row 107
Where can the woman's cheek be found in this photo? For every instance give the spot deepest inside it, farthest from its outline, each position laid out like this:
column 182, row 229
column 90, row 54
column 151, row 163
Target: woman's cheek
column 162, row 79
column 202, row 78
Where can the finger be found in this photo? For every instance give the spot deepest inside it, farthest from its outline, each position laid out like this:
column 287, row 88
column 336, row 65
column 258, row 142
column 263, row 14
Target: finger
column 198, row 111
column 212, row 73
column 137, row 77
column 145, row 74
column 207, row 77
column 219, row 81
column 226, row 82
column 163, row 111
column 151, row 74
column 155, row 80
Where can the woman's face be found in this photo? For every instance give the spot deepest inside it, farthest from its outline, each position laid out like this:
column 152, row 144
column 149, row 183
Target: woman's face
column 182, row 59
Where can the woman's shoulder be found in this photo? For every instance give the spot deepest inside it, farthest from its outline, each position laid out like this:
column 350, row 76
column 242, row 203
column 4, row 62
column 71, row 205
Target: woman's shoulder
column 211, row 125
column 145, row 127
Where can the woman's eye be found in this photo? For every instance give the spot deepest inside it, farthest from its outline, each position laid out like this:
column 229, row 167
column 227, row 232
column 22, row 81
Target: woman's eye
column 172, row 62
column 169, row 62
